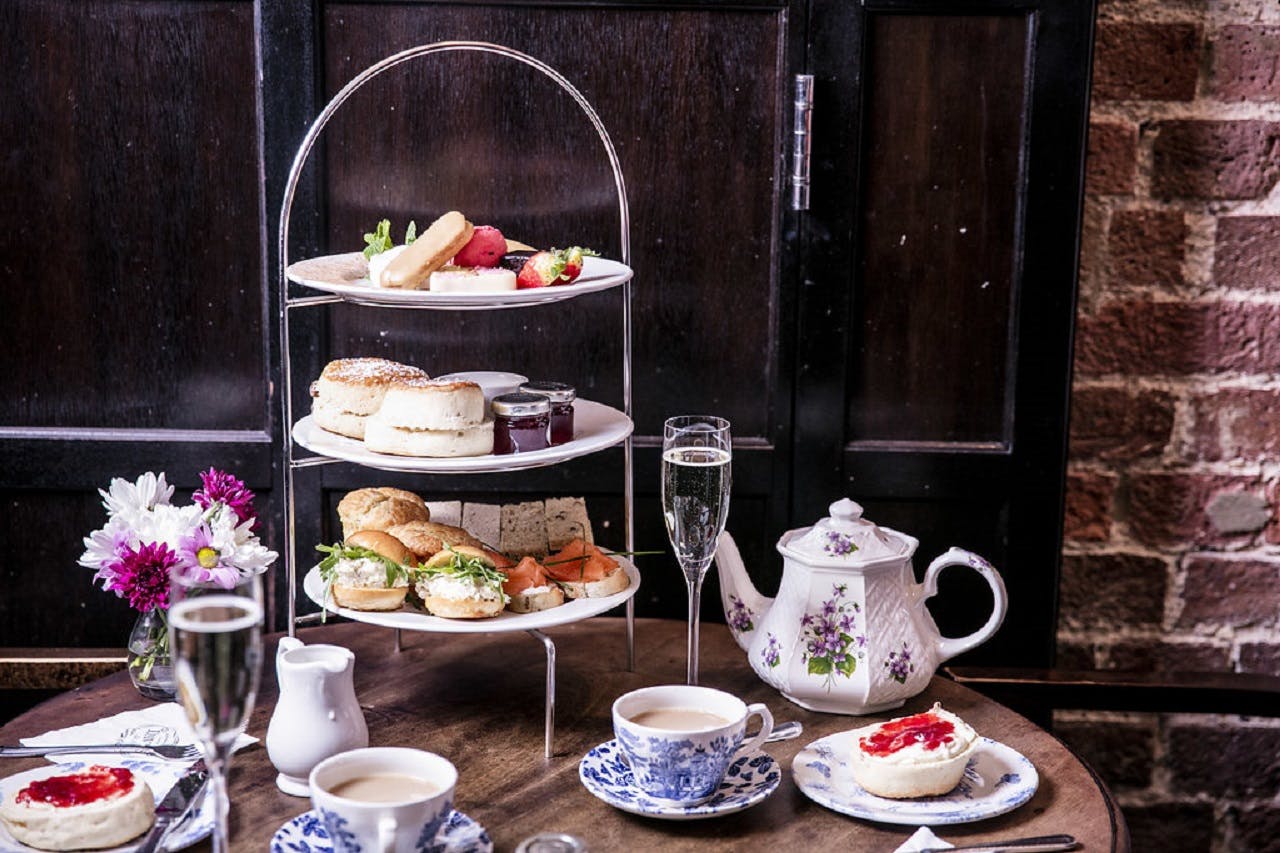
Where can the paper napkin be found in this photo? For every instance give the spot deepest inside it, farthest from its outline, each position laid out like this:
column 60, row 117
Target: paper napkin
column 156, row 725
column 923, row 839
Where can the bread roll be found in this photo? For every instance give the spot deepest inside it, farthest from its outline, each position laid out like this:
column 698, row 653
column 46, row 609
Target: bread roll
column 427, row 538
column 379, row 508
column 359, row 586
column 456, row 597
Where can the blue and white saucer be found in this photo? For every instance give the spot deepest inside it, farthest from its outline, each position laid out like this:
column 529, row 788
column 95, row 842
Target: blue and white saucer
column 604, row 772
column 996, row 780
column 306, row 834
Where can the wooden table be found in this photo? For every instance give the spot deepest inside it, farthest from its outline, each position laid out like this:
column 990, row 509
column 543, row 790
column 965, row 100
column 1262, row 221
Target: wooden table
column 478, row 700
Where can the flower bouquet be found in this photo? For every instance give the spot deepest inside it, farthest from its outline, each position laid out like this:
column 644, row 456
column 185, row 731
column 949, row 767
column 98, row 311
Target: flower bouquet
column 146, row 540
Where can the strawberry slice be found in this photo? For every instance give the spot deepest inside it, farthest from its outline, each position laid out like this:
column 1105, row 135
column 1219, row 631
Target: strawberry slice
column 541, row 270
column 573, row 263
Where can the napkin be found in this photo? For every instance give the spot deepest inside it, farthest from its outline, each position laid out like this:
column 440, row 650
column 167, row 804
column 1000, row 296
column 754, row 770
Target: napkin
column 923, row 839
column 157, row 724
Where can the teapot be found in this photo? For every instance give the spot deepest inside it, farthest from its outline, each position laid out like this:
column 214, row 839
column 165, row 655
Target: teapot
column 848, row 632
column 317, row 714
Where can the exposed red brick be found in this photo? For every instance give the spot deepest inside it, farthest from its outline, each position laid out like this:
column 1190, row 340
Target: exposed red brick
column 1246, row 63
column 1169, row 657
column 1145, row 337
column 1146, row 61
column 1224, row 761
column 1236, row 423
column 1215, row 159
column 1254, row 828
column 1123, row 753
column 1111, row 590
column 1112, row 160
column 1247, row 253
column 1260, row 657
column 1088, row 506
column 1167, row 508
column 1147, row 247
column 1170, row 827
column 1230, row 591
column 1115, row 423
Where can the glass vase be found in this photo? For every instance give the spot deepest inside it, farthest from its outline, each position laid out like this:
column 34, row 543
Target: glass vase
column 150, row 665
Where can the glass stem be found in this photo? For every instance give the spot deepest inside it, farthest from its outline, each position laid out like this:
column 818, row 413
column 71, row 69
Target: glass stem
column 694, row 582
column 220, row 764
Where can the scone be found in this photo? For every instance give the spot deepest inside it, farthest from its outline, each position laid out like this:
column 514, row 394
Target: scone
column 378, row 508
column 427, row 538
column 437, row 404
column 923, row 755
column 349, row 390
column 96, row 808
column 461, row 583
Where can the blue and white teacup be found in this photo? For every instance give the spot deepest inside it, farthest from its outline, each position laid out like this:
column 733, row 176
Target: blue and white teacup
column 680, row 739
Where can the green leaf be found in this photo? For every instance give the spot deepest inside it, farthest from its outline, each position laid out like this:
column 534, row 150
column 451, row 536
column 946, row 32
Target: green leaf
column 819, row 666
column 848, row 665
column 411, row 233
column 379, row 240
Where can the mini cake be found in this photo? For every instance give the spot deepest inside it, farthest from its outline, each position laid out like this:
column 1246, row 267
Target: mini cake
column 923, row 755
column 96, row 808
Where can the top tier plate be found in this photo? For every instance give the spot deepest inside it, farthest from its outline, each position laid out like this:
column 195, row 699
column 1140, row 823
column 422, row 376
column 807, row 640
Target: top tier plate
column 347, row 276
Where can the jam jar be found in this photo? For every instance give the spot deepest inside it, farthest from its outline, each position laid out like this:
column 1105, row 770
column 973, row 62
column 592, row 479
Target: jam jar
column 561, row 397
column 521, row 422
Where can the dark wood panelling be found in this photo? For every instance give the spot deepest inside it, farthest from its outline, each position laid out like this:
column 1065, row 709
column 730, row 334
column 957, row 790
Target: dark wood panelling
column 130, row 233
column 939, row 228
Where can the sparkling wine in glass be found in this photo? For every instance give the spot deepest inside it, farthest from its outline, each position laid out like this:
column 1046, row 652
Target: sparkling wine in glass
column 216, row 642
column 696, row 459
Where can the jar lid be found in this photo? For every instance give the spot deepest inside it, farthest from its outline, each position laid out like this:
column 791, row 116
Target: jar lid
column 556, row 392
column 519, row 404
column 846, row 538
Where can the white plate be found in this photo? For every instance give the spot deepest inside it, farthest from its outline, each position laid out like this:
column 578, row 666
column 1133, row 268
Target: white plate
column 306, row 834
column 595, row 427
column 996, row 780
column 605, row 773
column 347, row 275
column 573, row 610
column 159, row 775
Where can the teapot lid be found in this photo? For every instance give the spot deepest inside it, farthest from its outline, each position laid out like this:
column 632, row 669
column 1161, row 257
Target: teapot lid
column 846, row 538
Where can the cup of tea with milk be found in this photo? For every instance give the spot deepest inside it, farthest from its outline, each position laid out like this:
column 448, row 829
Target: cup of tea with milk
column 680, row 739
column 386, row 799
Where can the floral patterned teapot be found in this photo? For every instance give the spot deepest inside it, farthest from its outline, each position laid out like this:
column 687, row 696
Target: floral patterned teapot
column 849, row 632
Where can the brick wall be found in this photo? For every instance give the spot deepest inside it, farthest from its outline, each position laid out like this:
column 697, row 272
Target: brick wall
column 1172, row 559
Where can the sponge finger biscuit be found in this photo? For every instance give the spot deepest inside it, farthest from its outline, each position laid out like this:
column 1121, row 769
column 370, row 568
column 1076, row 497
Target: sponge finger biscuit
column 432, row 250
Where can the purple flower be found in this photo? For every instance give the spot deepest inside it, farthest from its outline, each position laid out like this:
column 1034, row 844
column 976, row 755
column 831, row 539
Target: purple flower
column 201, row 562
column 739, row 615
column 772, row 651
column 141, row 576
column 220, row 487
column 838, row 544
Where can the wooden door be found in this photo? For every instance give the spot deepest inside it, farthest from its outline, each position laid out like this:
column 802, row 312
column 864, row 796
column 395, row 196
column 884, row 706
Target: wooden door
column 934, row 346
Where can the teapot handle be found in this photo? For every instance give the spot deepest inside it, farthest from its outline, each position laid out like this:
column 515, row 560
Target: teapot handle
column 949, row 647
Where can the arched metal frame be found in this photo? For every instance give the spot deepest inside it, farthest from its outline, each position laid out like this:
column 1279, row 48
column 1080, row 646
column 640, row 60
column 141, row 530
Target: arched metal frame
column 286, row 303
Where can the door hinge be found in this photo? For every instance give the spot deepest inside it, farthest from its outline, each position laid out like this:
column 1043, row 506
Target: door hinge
column 802, row 118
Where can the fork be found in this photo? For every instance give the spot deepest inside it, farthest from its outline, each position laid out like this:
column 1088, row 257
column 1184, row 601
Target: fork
column 169, row 752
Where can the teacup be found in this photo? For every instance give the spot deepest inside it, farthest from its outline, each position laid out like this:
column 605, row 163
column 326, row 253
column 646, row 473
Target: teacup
column 681, row 739
column 366, row 802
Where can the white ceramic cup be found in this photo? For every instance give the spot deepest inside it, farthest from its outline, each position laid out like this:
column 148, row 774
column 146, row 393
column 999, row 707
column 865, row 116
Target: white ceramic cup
column 685, row 765
column 396, row 827
column 491, row 382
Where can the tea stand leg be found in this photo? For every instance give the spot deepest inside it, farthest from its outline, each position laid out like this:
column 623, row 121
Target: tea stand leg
column 549, row 724
column 398, row 646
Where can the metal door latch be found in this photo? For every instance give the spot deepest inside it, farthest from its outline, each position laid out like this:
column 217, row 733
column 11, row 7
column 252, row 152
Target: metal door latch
column 800, row 141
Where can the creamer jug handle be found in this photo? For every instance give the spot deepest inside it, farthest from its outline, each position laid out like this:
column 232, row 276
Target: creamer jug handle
column 949, row 647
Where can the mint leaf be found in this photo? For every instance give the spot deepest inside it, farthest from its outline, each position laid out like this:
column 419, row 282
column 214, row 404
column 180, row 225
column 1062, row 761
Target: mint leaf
column 380, row 240
column 411, row 233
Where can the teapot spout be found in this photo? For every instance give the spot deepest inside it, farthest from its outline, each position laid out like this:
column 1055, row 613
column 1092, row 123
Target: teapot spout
column 744, row 606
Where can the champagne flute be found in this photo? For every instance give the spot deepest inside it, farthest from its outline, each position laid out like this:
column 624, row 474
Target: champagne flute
column 696, row 455
column 216, row 639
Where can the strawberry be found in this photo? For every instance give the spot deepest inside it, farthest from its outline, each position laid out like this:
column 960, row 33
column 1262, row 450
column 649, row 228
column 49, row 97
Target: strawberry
column 573, row 263
column 542, row 269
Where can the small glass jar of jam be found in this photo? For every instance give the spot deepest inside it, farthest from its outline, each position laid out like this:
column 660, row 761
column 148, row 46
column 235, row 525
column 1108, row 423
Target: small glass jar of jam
column 521, row 422
column 561, row 397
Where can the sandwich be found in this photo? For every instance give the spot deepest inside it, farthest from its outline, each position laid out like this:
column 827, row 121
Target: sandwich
column 529, row 587
column 584, row 571
column 369, row 571
column 461, row 583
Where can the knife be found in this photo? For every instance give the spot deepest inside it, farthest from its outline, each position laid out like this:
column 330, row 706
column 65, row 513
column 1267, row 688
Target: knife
column 175, row 805
column 1038, row 844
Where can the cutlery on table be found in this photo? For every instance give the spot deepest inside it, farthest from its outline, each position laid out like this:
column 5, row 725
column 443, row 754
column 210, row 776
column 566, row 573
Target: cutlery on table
column 1036, row 844
column 785, row 731
column 175, row 805
column 168, row 752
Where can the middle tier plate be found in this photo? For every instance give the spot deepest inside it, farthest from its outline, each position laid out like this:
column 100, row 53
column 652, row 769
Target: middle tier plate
column 596, row 427
column 573, row 610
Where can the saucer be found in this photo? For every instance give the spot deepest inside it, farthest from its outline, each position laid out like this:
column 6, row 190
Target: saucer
column 996, row 780
column 604, row 772
column 306, row 834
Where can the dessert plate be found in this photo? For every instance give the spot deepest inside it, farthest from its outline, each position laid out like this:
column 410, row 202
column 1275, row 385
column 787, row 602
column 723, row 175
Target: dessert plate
column 751, row 778
column 573, row 610
column 306, row 834
column 159, row 775
column 996, row 780
column 347, row 275
column 595, row 427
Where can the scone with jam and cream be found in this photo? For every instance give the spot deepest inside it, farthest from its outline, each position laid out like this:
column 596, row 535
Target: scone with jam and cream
column 922, row 755
column 95, row 808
